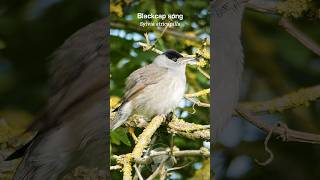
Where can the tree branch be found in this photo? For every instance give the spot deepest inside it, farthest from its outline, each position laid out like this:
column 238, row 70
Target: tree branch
column 291, row 100
column 267, row 6
column 264, row 6
column 286, row 134
column 143, row 141
column 176, row 153
column 300, row 36
column 145, row 137
column 189, row 130
column 127, row 167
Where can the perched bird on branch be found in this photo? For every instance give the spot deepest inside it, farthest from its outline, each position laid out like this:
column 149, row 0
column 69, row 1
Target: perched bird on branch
column 227, row 61
column 72, row 129
column 155, row 89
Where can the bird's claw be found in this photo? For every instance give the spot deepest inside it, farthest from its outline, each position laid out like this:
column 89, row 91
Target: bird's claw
column 133, row 135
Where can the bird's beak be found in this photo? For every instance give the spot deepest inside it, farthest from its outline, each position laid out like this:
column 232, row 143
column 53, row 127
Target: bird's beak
column 188, row 60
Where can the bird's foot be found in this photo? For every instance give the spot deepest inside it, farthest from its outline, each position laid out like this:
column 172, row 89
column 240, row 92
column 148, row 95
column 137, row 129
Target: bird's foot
column 137, row 121
column 169, row 117
column 133, row 135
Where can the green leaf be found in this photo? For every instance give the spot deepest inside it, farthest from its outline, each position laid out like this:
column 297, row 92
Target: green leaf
column 120, row 135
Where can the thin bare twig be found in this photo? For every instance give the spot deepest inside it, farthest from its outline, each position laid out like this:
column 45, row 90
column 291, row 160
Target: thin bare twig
column 284, row 132
column 204, row 152
column 197, row 102
column 299, row 35
column 203, row 73
column 180, row 167
column 157, row 171
column 264, row 6
column 138, row 172
column 267, row 149
column 149, row 47
column 116, row 167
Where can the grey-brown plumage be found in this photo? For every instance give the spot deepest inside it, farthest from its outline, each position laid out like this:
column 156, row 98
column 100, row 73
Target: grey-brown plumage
column 72, row 129
column 228, row 61
column 154, row 89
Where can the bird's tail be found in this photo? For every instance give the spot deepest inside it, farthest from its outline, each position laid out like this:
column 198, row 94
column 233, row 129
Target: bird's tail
column 26, row 168
column 24, row 171
column 122, row 114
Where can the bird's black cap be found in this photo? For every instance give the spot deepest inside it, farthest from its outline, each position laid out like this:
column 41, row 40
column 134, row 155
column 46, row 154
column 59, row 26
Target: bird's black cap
column 172, row 54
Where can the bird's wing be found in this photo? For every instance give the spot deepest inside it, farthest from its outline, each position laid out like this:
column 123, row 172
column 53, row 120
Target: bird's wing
column 78, row 80
column 141, row 78
column 76, row 53
column 77, row 69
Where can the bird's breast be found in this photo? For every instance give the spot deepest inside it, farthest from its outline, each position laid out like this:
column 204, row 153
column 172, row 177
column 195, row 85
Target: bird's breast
column 162, row 97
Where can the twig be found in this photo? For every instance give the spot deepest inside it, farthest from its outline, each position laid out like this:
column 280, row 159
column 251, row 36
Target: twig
column 149, row 47
column 291, row 100
column 153, row 140
column 145, row 137
column 138, row 172
column 157, row 171
column 177, row 168
column 267, row 149
column 197, row 94
column 189, row 130
column 143, row 141
column 181, row 125
column 178, row 153
column 182, row 128
column 147, row 38
column 163, row 174
column 289, row 134
column 300, row 36
column 163, row 31
column 116, row 167
column 265, row 6
column 127, row 167
column 203, row 72
column 197, row 102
